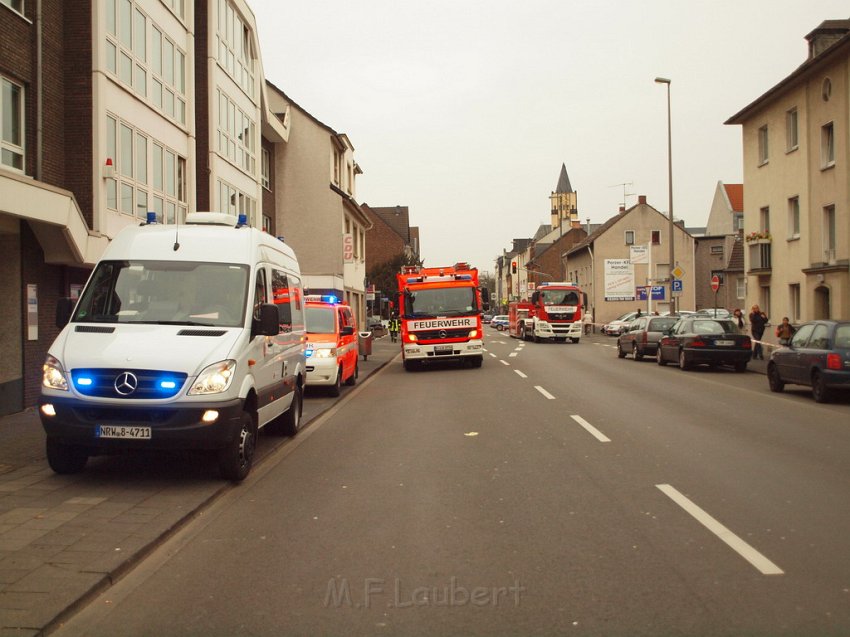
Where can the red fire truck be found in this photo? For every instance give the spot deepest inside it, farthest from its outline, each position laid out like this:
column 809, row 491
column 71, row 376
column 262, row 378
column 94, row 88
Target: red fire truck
column 554, row 312
column 440, row 311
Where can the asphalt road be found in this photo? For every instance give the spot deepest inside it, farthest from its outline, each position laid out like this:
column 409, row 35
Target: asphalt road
column 556, row 490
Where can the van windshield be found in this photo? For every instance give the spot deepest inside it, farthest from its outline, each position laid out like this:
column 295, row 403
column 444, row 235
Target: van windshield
column 429, row 302
column 320, row 320
column 165, row 292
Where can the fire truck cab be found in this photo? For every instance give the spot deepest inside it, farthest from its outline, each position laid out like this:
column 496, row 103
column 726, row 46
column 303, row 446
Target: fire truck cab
column 440, row 311
column 331, row 343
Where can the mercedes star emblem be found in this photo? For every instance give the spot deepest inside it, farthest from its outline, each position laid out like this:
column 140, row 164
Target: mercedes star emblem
column 126, row 383
column 442, row 333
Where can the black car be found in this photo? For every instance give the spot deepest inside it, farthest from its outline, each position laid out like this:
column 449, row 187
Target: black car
column 818, row 356
column 705, row 341
column 643, row 335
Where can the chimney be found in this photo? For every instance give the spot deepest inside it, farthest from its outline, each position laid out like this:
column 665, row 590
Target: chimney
column 642, row 199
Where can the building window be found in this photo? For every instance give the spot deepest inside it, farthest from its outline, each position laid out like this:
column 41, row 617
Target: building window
column 794, row 218
column 630, row 237
column 655, row 237
column 337, row 176
column 16, row 5
column 763, row 149
column 236, row 135
column 791, row 137
column 829, row 233
column 717, row 250
column 266, row 169
column 235, row 49
column 234, row 202
column 827, row 146
column 738, row 221
column 794, row 302
column 156, row 71
column 177, row 6
column 764, row 219
column 12, row 116
column 741, row 287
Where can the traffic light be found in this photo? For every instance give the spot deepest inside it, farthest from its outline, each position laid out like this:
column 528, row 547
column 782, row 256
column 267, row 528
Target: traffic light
column 513, row 267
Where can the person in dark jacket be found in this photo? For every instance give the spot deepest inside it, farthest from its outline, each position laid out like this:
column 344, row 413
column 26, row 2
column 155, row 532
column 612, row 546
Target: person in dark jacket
column 758, row 320
column 785, row 331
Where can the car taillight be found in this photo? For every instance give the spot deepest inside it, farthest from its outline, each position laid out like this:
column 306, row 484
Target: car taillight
column 833, row 361
column 747, row 343
column 697, row 342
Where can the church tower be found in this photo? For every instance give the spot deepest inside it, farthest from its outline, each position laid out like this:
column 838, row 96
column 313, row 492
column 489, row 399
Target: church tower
column 564, row 203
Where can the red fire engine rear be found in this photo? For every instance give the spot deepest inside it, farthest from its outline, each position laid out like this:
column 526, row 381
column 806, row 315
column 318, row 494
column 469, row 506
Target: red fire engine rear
column 440, row 311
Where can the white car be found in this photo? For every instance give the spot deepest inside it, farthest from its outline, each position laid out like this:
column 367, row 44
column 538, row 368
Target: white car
column 619, row 324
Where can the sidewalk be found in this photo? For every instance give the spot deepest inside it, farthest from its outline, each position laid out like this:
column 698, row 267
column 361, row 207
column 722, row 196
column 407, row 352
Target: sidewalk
column 64, row 539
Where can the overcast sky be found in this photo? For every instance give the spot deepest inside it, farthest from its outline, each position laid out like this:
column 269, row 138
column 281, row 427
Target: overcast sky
column 464, row 110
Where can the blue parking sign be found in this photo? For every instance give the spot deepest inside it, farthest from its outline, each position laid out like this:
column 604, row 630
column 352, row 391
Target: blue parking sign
column 677, row 285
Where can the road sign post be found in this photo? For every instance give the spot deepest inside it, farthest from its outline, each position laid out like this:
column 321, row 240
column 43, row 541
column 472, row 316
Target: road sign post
column 715, row 285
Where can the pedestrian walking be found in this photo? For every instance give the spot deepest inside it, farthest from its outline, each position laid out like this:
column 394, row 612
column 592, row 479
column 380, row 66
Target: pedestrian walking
column 395, row 327
column 738, row 317
column 784, row 331
column 588, row 321
column 758, row 320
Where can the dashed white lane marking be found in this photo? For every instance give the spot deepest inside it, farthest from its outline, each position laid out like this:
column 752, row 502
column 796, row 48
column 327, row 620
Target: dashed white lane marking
column 493, row 355
column 764, row 565
column 591, row 429
column 544, row 392
column 512, row 355
column 520, row 374
column 504, row 362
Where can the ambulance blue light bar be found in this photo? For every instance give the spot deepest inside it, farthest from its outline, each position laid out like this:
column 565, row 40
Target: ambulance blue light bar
column 322, row 298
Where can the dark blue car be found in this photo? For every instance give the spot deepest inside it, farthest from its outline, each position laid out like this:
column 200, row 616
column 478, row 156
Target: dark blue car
column 817, row 356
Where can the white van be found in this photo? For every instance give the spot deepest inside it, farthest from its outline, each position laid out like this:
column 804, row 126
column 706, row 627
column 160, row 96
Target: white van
column 185, row 337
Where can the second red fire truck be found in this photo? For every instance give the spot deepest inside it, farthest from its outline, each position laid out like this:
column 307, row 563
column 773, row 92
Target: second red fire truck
column 555, row 312
column 440, row 314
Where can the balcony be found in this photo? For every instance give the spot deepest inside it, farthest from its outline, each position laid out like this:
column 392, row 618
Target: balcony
column 759, row 256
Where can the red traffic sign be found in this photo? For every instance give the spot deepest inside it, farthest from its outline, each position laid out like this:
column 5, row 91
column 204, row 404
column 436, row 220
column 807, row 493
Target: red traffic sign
column 715, row 283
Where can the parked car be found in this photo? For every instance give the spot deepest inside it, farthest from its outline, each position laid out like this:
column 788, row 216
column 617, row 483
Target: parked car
column 619, row 324
column 818, row 356
column 719, row 313
column 643, row 335
column 500, row 322
column 486, row 318
column 705, row 341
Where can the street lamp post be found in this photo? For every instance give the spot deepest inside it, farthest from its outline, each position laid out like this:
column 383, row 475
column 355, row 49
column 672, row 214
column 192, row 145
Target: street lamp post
column 663, row 80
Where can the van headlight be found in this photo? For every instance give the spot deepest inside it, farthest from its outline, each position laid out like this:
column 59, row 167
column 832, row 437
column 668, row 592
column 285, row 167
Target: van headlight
column 215, row 378
column 329, row 352
column 53, row 375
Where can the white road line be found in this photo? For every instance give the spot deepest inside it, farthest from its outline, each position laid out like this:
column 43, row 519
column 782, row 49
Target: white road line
column 493, row 355
column 504, row 362
column 512, row 355
column 590, row 428
column 544, row 392
column 764, row 565
column 520, row 374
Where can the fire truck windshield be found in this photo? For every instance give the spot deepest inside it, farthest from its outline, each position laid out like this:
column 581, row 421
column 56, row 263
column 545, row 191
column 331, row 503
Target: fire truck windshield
column 440, row 302
column 559, row 297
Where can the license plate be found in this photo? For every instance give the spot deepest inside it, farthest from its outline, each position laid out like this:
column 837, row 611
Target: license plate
column 724, row 343
column 443, row 348
column 123, row 431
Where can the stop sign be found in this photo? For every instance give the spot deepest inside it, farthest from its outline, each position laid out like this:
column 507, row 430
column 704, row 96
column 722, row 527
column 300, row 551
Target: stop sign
column 715, row 283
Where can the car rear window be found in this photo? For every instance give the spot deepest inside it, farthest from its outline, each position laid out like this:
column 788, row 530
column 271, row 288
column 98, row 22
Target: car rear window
column 714, row 327
column 661, row 324
column 842, row 337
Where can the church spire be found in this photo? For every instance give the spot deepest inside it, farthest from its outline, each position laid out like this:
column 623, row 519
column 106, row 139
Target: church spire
column 563, row 181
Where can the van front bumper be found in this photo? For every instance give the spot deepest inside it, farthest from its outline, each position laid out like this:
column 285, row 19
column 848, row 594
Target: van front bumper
column 438, row 351
column 172, row 426
column 322, row 371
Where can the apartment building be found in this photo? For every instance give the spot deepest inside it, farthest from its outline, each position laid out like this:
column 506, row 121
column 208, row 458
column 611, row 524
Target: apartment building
column 110, row 110
column 796, row 152
column 317, row 213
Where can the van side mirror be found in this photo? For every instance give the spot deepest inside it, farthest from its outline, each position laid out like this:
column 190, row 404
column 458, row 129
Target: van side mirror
column 64, row 308
column 346, row 331
column 269, row 322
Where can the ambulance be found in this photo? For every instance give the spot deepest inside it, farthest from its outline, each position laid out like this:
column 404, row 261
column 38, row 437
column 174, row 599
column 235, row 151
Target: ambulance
column 184, row 337
column 331, row 343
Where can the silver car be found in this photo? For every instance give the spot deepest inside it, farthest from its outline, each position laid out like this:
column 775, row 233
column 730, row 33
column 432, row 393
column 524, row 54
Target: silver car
column 643, row 335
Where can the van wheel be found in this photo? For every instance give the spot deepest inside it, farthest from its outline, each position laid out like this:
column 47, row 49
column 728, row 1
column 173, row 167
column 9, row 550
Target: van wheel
column 476, row 361
column 291, row 420
column 411, row 366
column 335, row 388
column 522, row 335
column 65, row 458
column 352, row 380
column 236, row 459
